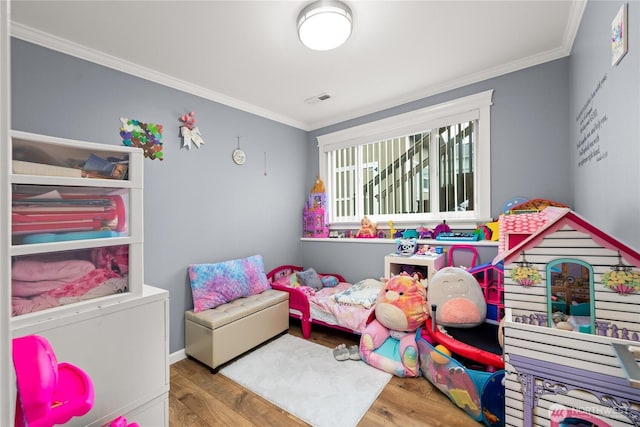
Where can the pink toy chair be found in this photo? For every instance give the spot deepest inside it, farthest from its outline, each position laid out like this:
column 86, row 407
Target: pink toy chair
column 48, row 392
column 465, row 256
column 121, row 422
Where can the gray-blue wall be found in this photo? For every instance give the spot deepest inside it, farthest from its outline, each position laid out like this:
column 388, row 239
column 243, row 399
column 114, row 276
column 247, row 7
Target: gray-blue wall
column 529, row 154
column 606, row 187
column 529, row 132
column 200, row 207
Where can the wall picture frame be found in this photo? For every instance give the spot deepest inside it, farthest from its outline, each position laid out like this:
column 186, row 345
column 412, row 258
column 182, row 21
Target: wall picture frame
column 619, row 35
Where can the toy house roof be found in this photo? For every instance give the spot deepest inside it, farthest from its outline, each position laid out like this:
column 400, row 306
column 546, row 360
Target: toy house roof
column 566, row 217
column 537, row 205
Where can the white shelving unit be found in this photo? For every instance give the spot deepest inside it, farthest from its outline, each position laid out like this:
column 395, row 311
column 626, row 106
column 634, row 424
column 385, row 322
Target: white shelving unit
column 49, row 151
column 119, row 335
column 7, row 379
column 429, row 264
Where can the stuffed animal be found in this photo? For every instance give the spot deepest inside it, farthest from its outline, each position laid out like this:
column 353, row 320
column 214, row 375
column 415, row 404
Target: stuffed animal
column 457, row 297
column 367, row 228
column 388, row 342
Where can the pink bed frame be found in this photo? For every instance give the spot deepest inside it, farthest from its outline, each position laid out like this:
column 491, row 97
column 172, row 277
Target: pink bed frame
column 298, row 300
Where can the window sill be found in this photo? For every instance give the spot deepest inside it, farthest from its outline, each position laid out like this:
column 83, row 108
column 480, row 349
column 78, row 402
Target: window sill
column 430, row 242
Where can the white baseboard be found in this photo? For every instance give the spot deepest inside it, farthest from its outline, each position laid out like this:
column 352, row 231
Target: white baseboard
column 177, row 356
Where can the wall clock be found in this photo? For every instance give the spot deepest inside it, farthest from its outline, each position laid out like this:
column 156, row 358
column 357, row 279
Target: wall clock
column 238, row 156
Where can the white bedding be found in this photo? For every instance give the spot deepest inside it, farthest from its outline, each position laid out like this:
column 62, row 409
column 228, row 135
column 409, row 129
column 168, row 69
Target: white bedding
column 364, row 293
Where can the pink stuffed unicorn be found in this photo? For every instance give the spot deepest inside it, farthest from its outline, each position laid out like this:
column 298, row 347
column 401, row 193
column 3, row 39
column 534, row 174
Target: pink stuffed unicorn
column 388, row 342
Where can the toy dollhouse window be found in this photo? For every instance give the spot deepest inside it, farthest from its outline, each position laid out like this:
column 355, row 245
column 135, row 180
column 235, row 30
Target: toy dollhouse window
column 570, row 303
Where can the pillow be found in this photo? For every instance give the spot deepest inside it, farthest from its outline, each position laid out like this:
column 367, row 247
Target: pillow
column 406, row 247
column 220, row 283
column 364, row 293
column 290, row 281
column 282, row 281
column 309, row 278
column 329, row 281
column 293, row 281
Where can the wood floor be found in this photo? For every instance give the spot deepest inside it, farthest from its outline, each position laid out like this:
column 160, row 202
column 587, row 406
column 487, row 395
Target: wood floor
column 198, row 398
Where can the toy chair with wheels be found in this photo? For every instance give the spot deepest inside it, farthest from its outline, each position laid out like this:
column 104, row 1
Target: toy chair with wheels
column 48, row 392
column 464, row 256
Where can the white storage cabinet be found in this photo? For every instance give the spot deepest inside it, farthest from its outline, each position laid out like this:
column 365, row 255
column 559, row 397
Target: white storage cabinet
column 117, row 334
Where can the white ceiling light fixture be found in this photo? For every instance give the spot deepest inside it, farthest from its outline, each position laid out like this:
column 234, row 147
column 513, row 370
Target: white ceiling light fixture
column 324, row 24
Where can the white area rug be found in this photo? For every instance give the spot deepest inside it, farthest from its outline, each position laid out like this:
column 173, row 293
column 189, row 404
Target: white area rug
column 304, row 379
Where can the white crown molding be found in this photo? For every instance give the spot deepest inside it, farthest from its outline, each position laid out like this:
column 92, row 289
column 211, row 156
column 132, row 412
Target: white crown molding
column 70, row 48
column 575, row 16
column 65, row 46
column 530, row 61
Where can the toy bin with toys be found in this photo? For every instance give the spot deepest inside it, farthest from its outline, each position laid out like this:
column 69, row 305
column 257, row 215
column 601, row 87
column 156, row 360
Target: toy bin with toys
column 460, row 349
column 479, row 392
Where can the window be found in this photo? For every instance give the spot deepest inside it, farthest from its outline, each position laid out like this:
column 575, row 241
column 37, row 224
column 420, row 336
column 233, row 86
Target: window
column 570, row 295
column 428, row 165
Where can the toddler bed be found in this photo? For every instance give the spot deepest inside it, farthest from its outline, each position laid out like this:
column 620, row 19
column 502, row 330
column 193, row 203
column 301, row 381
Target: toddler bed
column 333, row 302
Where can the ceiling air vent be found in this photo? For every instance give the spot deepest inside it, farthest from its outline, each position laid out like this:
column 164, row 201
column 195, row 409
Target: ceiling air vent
column 317, row 98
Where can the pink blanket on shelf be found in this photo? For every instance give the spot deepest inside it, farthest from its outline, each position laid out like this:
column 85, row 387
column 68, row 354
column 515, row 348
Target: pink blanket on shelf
column 84, row 284
column 61, row 271
column 46, row 300
column 42, row 294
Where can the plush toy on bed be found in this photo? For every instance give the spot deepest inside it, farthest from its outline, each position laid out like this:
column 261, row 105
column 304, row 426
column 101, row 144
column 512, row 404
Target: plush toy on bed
column 457, row 297
column 388, row 342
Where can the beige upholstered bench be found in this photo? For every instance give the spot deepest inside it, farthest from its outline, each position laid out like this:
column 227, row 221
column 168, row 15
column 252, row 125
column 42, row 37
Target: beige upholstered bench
column 217, row 335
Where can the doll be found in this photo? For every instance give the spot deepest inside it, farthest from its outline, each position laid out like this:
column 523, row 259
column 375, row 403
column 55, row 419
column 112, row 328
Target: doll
column 367, row 228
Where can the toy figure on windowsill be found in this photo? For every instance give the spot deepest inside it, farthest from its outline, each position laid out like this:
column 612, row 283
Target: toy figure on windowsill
column 367, row 228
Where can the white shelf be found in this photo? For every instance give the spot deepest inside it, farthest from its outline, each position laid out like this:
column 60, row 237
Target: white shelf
column 393, row 264
column 43, row 152
column 430, row 242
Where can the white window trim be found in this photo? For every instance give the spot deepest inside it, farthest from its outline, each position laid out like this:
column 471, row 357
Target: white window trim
column 477, row 106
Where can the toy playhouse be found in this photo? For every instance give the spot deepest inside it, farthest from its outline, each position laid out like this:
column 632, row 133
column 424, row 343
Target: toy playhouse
column 572, row 328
